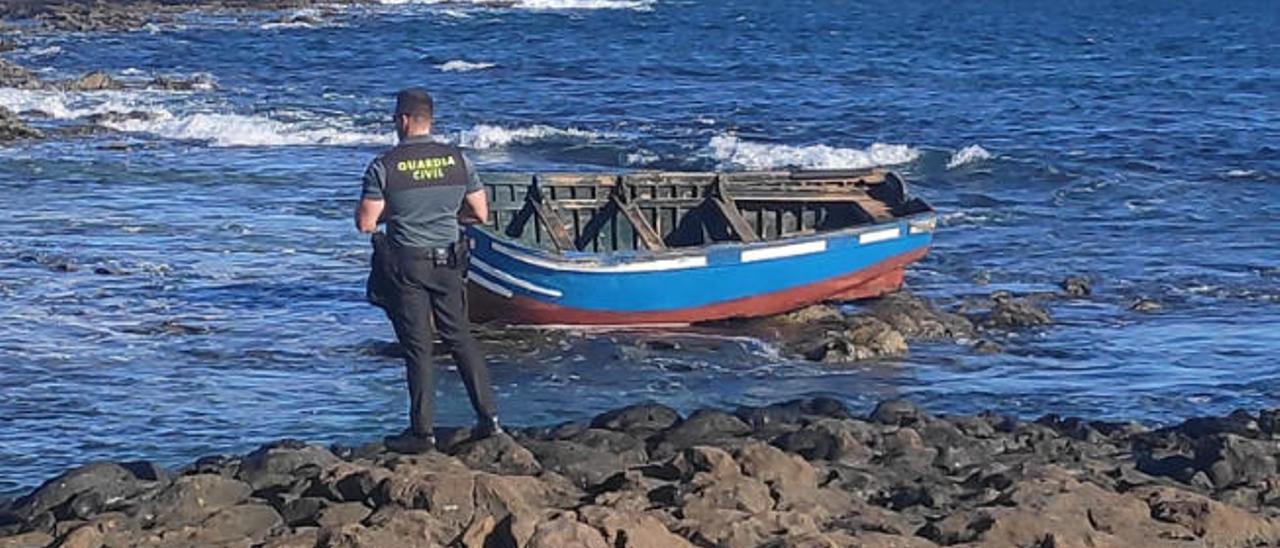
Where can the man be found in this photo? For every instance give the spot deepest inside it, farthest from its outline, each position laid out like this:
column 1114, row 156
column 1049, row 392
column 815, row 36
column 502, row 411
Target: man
column 416, row 188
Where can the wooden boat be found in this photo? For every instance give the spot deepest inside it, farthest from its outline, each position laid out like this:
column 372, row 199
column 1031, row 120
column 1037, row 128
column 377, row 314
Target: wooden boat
column 669, row 248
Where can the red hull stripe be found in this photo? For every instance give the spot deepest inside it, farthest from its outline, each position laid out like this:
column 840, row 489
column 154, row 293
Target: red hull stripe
column 877, row 280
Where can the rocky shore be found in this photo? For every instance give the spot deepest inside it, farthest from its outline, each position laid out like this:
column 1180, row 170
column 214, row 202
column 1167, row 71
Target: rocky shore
column 806, row 473
column 97, row 15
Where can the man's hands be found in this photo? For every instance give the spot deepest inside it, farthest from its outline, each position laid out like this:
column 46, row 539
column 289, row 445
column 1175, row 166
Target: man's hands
column 475, row 208
column 368, row 212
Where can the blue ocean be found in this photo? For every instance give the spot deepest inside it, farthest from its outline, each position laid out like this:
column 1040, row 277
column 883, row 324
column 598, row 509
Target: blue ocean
column 185, row 279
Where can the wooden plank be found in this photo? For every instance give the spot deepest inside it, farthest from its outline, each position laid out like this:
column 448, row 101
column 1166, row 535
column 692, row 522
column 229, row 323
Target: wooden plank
column 591, row 231
column 556, row 226
column 644, row 231
column 729, row 210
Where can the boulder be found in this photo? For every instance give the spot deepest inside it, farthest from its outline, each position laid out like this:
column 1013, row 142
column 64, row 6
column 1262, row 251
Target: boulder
column 564, row 531
column 793, row 412
column 585, row 466
column 190, row 499
column 832, row 440
column 1016, row 313
column 1077, row 286
column 1231, row 460
column 498, row 454
column 280, row 463
column 703, row 426
column 33, row 539
column 93, row 81
column 343, row 513
column 916, row 318
column 641, row 420
column 631, row 529
column 897, row 413
column 100, row 482
column 862, row 338
column 13, row 129
column 788, row 475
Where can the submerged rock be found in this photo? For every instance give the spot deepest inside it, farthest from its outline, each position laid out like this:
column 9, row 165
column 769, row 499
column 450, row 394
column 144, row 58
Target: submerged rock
column 1011, row 313
column 862, row 338
column 93, row 81
column 14, row 129
column 1146, row 305
column 1077, row 286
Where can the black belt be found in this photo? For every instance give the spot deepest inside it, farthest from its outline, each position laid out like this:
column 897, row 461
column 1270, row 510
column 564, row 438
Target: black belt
column 439, row 256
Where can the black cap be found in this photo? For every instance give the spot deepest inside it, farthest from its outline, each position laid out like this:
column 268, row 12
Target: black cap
column 414, row 101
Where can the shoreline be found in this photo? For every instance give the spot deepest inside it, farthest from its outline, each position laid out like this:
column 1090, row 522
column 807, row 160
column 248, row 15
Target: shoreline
column 799, row 473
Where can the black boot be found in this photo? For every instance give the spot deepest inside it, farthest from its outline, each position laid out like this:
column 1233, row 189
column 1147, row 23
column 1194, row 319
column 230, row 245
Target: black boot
column 409, row 443
column 487, row 428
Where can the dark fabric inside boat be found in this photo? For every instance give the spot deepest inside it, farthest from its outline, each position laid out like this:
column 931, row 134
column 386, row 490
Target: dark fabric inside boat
column 565, row 212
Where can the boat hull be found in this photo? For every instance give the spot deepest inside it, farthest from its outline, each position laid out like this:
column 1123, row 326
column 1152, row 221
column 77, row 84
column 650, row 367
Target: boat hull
column 520, row 285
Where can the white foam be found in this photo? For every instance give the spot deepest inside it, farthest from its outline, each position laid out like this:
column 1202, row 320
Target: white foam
column 237, row 130
column 68, row 106
column 47, row 51
column 1241, row 173
column 485, row 136
column 734, row 152
column 968, row 155
column 459, row 65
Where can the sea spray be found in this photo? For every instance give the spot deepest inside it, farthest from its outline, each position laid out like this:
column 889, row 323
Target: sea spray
column 968, row 155
column 733, row 152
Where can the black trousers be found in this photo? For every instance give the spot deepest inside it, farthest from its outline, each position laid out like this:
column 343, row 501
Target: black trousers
column 421, row 291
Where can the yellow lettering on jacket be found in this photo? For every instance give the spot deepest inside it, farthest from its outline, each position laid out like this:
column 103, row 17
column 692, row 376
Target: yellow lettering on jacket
column 426, row 169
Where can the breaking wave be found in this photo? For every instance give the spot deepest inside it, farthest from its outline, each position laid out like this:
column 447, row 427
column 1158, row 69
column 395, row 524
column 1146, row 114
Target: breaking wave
column 69, row 106
column 733, row 152
column 968, row 155
column 458, row 65
column 486, row 136
column 236, row 130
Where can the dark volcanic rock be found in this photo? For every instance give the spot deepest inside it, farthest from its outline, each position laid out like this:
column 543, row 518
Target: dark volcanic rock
column 1077, row 286
column 861, row 338
column 1010, row 313
column 800, row 473
column 98, row 482
column 916, row 318
column 13, row 129
column 638, row 420
column 93, row 81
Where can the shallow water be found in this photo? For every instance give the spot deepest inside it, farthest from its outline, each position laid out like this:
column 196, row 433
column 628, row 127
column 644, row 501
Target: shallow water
column 193, row 284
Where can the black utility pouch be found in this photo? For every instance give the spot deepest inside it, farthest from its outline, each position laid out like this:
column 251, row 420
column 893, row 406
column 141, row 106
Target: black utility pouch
column 381, row 284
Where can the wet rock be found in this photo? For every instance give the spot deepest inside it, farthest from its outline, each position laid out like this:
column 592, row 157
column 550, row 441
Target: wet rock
column 916, row 318
column 1010, row 313
column 13, row 75
column 638, row 420
column 831, row 440
column 986, row 346
column 862, row 338
column 1077, row 286
column 93, row 81
column 897, row 413
column 819, row 313
column 95, row 482
column 586, row 466
column 14, row 129
column 703, row 426
column 792, row 412
column 281, row 463
column 199, row 82
column 1146, row 305
column 500, row 455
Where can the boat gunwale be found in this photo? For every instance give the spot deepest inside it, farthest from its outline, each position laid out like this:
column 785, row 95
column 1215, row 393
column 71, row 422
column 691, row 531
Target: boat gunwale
column 639, row 258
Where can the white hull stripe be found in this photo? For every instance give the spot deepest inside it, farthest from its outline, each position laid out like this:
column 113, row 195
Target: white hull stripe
column 504, row 277
column 879, row 235
column 492, row 287
column 806, row 248
column 646, row 266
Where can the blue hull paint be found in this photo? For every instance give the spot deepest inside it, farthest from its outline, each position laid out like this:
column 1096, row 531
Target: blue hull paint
column 608, row 282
